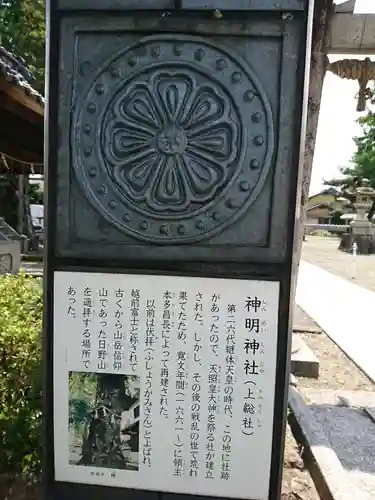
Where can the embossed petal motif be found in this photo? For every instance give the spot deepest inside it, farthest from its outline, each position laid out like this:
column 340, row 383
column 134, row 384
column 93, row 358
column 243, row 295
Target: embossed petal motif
column 169, row 142
column 173, row 139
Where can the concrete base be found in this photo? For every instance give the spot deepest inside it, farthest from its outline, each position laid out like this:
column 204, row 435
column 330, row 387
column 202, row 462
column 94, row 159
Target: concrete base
column 361, row 227
column 302, row 323
column 365, row 243
column 10, row 257
column 304, row 361
column 346, row 436
column 371, row 413
column 330, row 300
column 322, row 462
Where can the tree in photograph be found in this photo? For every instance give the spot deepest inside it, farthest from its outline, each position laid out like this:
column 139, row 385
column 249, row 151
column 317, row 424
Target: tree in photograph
column 96, row 408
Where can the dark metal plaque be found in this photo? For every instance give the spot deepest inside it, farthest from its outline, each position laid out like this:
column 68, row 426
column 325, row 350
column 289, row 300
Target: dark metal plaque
column 173, row 139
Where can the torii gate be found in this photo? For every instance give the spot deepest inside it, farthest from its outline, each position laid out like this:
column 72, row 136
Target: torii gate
column 345, row 28
column 351, row 31
column 336, row 29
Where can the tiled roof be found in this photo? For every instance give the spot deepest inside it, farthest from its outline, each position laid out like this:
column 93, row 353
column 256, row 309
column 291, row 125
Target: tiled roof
column 331, row 190
column 319, row 205
column 15, row 71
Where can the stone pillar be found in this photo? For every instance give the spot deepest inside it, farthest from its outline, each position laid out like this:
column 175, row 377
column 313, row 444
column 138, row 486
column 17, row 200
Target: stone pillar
column 362, row 230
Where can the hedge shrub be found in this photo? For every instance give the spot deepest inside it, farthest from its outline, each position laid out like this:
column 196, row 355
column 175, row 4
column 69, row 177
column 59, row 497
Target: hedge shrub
column 21, row 309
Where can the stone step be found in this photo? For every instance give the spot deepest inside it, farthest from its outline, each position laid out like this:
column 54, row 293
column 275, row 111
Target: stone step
column 304, row 363
column 8, row 231
column 338, row 437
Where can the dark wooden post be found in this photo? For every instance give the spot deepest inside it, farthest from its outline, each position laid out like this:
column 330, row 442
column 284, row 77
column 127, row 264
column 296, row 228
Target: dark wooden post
column 173, row 151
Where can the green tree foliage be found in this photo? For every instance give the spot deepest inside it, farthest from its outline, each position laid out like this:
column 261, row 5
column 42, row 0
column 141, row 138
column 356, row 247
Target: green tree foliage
column 21, row 308
column 363, row 161
column 22, row 31
column 35, row 194
column 95, row 406
column 83, row 394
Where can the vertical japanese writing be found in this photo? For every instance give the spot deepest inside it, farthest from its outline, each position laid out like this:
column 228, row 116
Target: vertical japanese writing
column 167, row 323
column 72, row 300
column 230, row 362
column 134, row 328
column 180, row 375
column 251, row 366
column 182, row 316
column 198, row 323
column 214, row 329
column 195, row 428
column 213, row 375
column 87, row 334
column 118, row 334
column 103, row 331
column 181, row 386
column 213, row 389
column 249, row 408
column 259, row 351
column 252, row 321
column 195, row 417
column 147, row 401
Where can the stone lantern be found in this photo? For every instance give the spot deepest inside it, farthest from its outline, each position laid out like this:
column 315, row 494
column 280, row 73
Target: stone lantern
column 361, row 228
column 364, row 196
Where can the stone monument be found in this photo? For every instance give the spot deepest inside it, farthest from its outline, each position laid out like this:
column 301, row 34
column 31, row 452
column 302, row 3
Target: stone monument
column 173, row 152
column 10, row 249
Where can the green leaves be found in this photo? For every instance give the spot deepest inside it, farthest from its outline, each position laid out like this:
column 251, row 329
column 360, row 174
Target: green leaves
column 21, row 309
column 363, row 161
column 22, row 31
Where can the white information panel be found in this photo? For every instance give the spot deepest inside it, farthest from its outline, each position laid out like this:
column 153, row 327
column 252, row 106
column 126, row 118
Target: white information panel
column 165, row 383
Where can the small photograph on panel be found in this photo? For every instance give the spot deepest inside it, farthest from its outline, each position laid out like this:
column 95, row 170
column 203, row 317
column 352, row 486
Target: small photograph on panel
column 104, row 411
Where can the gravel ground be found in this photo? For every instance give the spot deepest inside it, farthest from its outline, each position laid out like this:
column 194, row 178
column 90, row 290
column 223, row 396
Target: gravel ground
column 17, row 490
column 297, row 482
column 323, row 252
column 336, row 372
